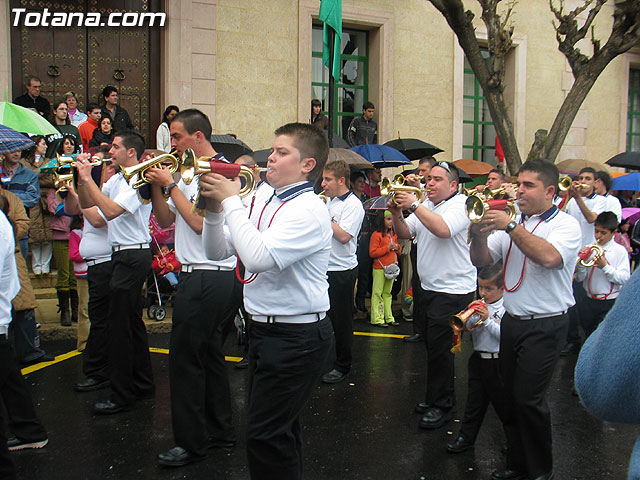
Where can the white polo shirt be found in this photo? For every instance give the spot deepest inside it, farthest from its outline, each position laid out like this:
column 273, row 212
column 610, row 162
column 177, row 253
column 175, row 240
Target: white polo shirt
column 613, row 205
column 611, row 278
column 444, row 264
column 95, row 242
column 597, row 204
column 295, row 229
column 189, row 249
column 347, row 211
column 8, row 272
column 132, row 227
column 543, row 290
column 486, row 337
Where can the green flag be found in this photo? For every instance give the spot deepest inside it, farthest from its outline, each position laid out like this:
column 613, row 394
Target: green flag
column 331, row 15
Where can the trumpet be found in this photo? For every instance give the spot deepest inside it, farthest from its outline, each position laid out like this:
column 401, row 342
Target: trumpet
column 468, row 319
column 170, row 160
column 62, row 182
column 565, row 183
column 589, row 258
column 491, row 194
column 477, row 205
column 69, row 161
column 323, row 197
column 387, row 187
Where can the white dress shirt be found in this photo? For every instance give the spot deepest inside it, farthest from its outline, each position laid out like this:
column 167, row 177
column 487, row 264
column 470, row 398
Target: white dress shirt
column 286, row 241
column 8, row 272
column 543, row 290
column 347, row 211
column 486, row 337
column 613, row 205
column 444, row 264
column 132, row 226
column 597, row 204
column 95, row 242
column 607, row 281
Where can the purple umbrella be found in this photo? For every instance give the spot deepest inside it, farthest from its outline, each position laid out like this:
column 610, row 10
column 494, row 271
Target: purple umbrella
column 631, row 213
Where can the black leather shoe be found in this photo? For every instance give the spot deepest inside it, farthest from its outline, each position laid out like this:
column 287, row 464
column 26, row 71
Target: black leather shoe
column 421, row 407
column 434, row 417
column 546, row 476
column 177, row 457
column 221, row 443
column 242, row 364
column 108, row 407
column 380, row 325
column 569, row 349
column 507, row 475
column 416, row 337
column 460, row 445
column 44, row 358
column 90, row 384
column 334, row 376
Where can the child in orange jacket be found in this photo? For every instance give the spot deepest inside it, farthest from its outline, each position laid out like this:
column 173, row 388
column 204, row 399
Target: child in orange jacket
column 384, row 250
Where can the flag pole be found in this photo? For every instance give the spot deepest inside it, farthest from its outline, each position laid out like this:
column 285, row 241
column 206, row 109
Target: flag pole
column 332, row 82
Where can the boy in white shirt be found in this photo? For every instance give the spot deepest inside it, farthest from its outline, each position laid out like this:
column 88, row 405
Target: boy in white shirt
column 602, row 281
column 484, row 384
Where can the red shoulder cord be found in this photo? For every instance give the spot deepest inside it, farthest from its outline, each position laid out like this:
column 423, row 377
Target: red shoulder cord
column 605, row 295
column 524, row 262
column 253, row 276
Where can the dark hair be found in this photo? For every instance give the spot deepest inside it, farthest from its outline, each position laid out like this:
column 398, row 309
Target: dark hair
column 92, row 106
column 367, row 106
column 106, row 117
column 104, row 149
column 32, row 77
column 378, row 223
column 106, row 91
column 193, row 120
column 428, row 159
column 339, row 168
column 547, row 171
column 72, row 138
column 67, row 121
column 606, row 179
column 355, row 175
column 311, row 143
column 608, row 220
column 76, row 222
column 492, row 272
column 167, row 111
column 588, row 170
column 132, row 139
column 316, row 103
column 452, row 171
column 30, row 153
column 495, row 170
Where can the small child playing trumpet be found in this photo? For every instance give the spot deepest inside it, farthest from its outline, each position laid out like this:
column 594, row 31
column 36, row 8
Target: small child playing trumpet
column 484, row 385
column 603, row 280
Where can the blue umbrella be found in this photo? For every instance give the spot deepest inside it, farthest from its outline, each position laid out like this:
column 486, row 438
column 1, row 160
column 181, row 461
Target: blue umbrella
column 630, row 181
column 382, row 156
column 12, row 141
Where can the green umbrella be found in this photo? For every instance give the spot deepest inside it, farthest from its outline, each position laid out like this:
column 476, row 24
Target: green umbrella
column 24, row 120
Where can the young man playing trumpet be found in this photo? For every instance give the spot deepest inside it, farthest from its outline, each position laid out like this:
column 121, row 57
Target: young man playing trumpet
column 285, row 245
column 447, row 279
column 346, row 219
column 584, row 205
column 602, row 280
column 538, row 253
column 199, row 384
column 127, row 216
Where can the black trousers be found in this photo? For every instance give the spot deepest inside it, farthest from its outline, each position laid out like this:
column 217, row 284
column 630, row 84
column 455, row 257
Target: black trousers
column 24, row 335
column 285, row 364
column 95, row 358
column 437, row 308
column 529, row 351
column 365, row 263
column 131, row 374
column 200, row 393
column 418, row 317
column 484, row 388
column 592, row 312
column 573, row 333
column 341, row 314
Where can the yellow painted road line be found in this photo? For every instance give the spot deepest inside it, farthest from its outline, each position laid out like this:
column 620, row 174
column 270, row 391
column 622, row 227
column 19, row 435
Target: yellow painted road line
column 165, row 351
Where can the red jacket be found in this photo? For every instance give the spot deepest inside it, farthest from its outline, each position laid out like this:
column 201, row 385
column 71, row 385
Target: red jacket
column 379, row 249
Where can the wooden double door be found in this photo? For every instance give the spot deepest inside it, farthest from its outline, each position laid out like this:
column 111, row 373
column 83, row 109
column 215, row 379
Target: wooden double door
column 86, row 59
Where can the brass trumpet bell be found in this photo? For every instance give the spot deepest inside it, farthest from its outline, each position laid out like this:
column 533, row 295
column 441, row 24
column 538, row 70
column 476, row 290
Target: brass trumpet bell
column 589, row 258
column 465, row 320
column 391, row 188
column 62, row 181
column 564, row 183
column 169, row 160
column 477, row 205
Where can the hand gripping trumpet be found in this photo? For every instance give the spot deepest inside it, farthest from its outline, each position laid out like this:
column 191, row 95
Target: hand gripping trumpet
column 589, row 257
column 477, row 205
column 468, row 319
column 62, row 182
column 169, row 160
column 387, row 187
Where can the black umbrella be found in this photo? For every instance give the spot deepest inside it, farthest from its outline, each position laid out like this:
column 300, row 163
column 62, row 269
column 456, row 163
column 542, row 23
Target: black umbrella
column 229, row 146
column 413, row 148
column 261, row 156
column 625, row 160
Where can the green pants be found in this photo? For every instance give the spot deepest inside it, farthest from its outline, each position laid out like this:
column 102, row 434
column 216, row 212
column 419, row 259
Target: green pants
column 66, row 279
column 381, row 298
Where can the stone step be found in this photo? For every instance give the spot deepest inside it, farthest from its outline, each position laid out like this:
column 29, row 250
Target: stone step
column 46, row 292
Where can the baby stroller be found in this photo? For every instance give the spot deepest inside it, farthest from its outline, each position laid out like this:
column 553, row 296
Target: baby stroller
column 163, row 279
